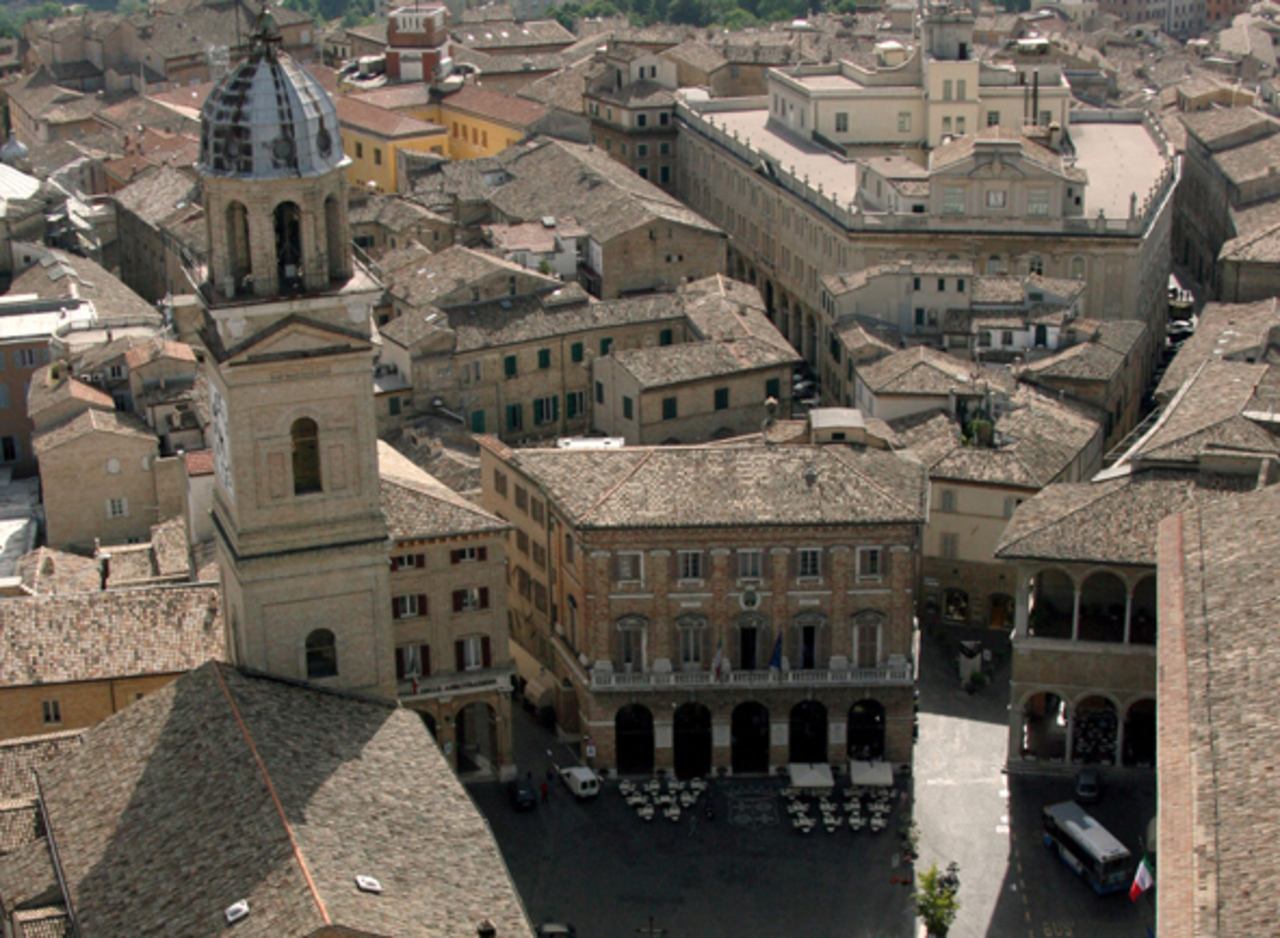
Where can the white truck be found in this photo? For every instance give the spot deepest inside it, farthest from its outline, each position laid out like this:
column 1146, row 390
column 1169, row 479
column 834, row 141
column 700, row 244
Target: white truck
column 580, row 780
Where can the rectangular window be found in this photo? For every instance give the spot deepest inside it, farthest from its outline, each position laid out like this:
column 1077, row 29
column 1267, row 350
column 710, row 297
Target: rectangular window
column 749, row 564
column 472, row 652
column 522, row 498
column 664, row 118
column 642, row 120
column 946, row 89
column 773, row 388
column 868, row 646
column 500, row 483
column 535, row 509
column 950, row 546
column 669, row 409
column 117, row 507
column 961, row 88
column 960, row 125
column 405, row 607
column 664, row 149
column 575, row 404
column 546, row 410
column 544, row 358
column 869, row 563
column 412, row 661
column 690, row 564
column 993, row 118
column 377, row 156
column 904, row 122
column 539, row 596
column 599, row 393
column 946, row 125
column 691, row 647
column 664, row 176
column 960, row 285
column 605, row 345
column 942, row 285
column 842, row 122
column 522, row 541
column 1006, row 337
column 722, row 398
column 630, row 567
column 1038, row 202
column 52, row 711
column 394, row 404
column 948, row 500
column 642, row 149
column 953, row 200
column 469, row 555
column 509, row 366
column 477, row 421
column 539, row 555
column 996, row 198
column 666, row 337
column 515, row 417
column 359, row 150
column 576, row 353
column 471, row 599
column 568, row 552
column 523, row 583
column 628, row 411
column 809, row 562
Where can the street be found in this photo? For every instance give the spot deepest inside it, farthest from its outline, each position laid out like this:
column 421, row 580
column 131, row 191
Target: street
column 596, row 865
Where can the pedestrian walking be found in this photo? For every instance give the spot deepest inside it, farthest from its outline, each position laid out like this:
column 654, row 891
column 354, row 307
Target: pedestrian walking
column 546, row 792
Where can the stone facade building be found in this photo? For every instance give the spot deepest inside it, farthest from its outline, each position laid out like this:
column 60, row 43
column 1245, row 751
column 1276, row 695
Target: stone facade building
column 448, row 610
column 739, row 607
column 630, row 102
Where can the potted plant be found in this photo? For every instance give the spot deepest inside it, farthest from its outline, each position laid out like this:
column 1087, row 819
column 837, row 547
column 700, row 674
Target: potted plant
column 935, row 902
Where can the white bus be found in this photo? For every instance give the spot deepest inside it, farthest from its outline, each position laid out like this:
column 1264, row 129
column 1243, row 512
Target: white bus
column 1087, row 847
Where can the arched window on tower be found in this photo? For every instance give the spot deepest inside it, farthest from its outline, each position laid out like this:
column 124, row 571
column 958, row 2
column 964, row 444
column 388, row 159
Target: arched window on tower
column 322, row 654
column 289, row 246
column 238, row 247
column 306, row 456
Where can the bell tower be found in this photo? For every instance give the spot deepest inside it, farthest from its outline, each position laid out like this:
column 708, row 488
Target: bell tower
column 302, row 545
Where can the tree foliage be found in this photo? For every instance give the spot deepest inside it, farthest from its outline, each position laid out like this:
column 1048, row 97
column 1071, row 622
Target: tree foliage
column 935, row 902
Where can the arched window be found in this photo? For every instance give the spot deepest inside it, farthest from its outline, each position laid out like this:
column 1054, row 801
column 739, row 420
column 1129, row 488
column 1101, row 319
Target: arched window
column 288, row 219
column 322, row 654
column 1077, row 268
column 238, row 246
column 306, row 456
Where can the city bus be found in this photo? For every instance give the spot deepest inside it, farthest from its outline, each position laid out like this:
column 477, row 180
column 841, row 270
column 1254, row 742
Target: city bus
column 1087, row 847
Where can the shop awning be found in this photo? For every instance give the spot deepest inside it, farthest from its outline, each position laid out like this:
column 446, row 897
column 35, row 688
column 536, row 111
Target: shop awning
column 870, row 773
column 811, row 775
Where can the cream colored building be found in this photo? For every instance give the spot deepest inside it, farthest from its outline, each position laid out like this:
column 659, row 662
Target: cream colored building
column 1086, row 197
column 449, row 614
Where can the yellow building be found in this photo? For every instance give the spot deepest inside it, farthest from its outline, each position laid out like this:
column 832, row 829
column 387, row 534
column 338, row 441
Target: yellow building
column 372, row 135
column 478, row 121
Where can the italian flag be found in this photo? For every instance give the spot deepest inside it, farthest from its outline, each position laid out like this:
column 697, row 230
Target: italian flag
column 1142, row 880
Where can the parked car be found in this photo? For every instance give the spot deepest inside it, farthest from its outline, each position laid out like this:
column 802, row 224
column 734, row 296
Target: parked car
column 556, row 930
column 524, row 797
column 581, row 781
column 1088, row 787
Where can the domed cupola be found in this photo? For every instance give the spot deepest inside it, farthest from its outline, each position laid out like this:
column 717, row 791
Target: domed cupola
column 269, row 118
column 273, row 176
column 14, row 151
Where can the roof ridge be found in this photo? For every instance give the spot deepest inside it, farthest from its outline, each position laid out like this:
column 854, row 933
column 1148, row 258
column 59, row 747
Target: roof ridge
column 1004, row 548
column 271, row 789
column 857, row 470
column 617, row 485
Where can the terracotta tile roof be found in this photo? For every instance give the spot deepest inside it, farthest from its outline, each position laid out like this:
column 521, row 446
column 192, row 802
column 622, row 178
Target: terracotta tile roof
column 1206, row 415
column 700, row 55
column 695, row 361
column 709, row 486
column 415, row 94
column 48, row 922
column 20, row 756
column 247, row 787
column 439, row 277
column 49, row 572
column 157, row 349
column 109, row 634
column 1114, row 521
column 20, row 822
column 27, row 877
column 155, row 196
column 381, row 122
column 94, row 421
column 1042, row 439
column 1225, row 332
column 1101, row 359
column 922, row 371
column 505, row 109
column 45, row 392
column 417, row 506
column 497, row 35
column 561, row 89
column 1219, row 669
column 199, row 462
column 59, row 274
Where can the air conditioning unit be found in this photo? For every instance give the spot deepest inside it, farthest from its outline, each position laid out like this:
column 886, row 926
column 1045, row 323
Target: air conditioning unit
column 236, row 911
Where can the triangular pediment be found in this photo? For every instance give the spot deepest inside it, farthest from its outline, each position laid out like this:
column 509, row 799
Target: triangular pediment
column 298, row 338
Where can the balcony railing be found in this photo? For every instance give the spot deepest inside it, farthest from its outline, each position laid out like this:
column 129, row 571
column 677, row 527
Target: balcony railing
column 468, row 681
column 898, row 675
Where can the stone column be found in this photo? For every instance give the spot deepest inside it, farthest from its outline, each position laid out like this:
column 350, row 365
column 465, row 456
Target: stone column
column 1119, row 737
column 1075, row 615
column 1021, row 603
column 1071, row 734
column 1128, row 612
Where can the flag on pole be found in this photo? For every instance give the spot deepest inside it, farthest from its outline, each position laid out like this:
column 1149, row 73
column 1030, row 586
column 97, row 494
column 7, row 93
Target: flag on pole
column 775, row 659
column 718, row 665
column 1142, row 880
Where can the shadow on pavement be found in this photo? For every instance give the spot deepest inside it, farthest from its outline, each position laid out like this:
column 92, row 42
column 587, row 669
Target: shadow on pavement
column 941, row 691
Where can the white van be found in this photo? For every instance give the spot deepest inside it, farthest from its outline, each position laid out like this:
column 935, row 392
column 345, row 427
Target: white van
column 581, row 781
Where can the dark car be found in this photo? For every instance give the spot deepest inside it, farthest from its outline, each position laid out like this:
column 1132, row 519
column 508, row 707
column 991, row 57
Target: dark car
column 524, row 797
column 1088, row 788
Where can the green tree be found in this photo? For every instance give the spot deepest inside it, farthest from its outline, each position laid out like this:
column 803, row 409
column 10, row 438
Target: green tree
column 935, row 903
